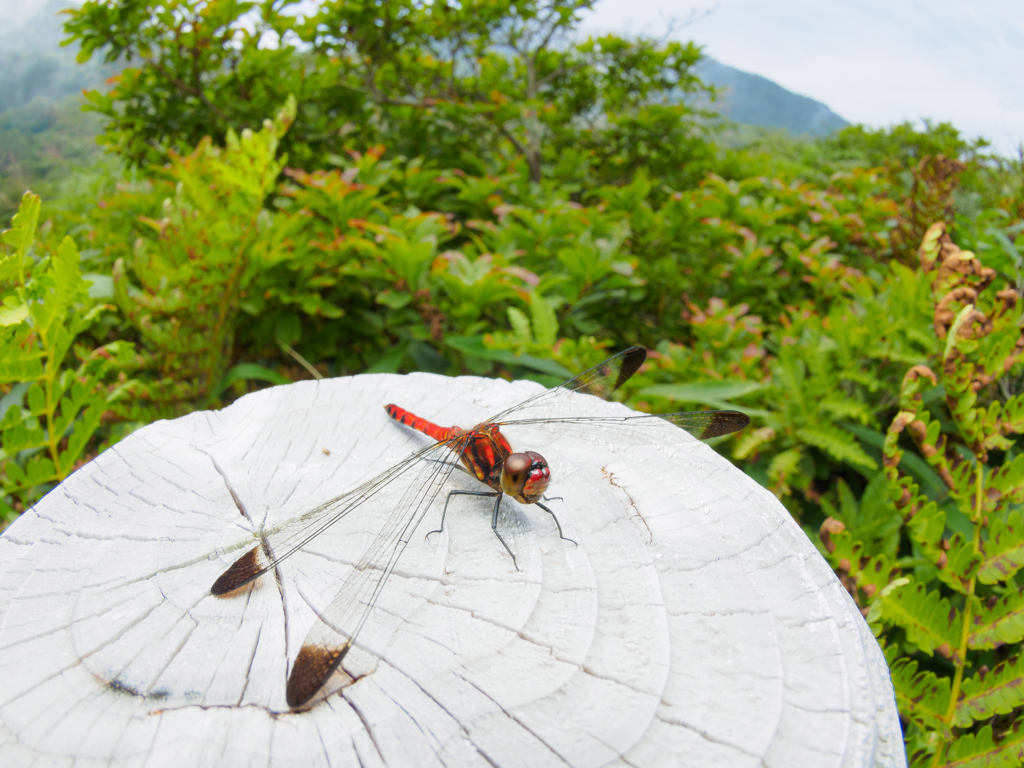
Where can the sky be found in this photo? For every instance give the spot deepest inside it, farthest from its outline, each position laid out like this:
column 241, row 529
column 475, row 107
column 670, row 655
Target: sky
column 877, row 62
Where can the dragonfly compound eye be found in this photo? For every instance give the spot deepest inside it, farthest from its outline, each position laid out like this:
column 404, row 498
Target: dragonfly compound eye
column 514, row 473
column 525, row 476
column 537, row 478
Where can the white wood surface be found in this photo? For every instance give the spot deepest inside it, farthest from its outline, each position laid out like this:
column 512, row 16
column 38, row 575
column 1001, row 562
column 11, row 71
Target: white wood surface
column 694, row 625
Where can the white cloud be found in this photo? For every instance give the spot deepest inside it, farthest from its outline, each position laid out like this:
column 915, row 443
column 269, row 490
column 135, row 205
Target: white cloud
column 872, row 61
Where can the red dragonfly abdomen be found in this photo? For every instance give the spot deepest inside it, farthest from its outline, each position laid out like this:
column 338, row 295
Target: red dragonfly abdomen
column 428, row 428
column 483, row 455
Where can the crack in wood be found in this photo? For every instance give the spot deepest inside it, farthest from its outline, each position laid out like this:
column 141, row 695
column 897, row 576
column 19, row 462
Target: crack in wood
column 610, row 477
column 234, row 496
column 366, row 726
column 704, row 735
column 514, row 719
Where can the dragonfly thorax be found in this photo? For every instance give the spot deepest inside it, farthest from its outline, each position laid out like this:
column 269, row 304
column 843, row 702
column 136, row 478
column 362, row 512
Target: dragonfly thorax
column 525, row 476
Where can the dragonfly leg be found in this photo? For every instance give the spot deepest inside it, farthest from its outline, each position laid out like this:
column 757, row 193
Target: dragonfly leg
column 494, row 527
column 557, row 524
column 458, row 493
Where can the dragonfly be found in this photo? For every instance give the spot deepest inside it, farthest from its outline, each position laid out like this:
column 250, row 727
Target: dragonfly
column 485, row 453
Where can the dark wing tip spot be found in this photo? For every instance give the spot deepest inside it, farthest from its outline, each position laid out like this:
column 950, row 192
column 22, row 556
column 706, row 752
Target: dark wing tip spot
column 725, row 423
column 632, row 359
column 313, row 666
column 242, row 571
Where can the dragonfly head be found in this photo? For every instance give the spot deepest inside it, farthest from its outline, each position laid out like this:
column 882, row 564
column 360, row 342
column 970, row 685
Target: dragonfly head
column 525, row 476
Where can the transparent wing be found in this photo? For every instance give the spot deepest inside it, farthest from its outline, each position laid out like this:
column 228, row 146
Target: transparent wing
column 337, row 626
column 637, row 429
column 281, row 544
column 600, row 381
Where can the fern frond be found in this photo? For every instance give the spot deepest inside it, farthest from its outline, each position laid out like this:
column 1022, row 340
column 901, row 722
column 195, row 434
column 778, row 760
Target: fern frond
column 1004, row 551
column 872, row 574
column 995, row 693
column 960, row 564
column 927, row 526
column 23, row 226
column 1013, row 415
column 1008, row 480
column 982, row 750
column 999, row 622
column 520, row 325
column 840, row 445
column 847, row 408
column 782, row 467
column 545, row 322
column 752, row 439
column 921, row 696
column 931, row 622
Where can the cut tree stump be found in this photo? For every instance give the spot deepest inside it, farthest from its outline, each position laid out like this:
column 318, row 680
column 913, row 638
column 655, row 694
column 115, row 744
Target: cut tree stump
column 693, row 625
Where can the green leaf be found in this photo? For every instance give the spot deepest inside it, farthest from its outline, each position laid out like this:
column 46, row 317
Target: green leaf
column 245, row 372
column 13, row 313
column 100, row 286
column 930, row 620
column 838, row 444
column 1002, row 622
column 716, row 394
column 985, row 695
column 846, row 407
column 954, row 330
column 520, row 325
column 36, row 400
column 981, row 750
column 928, row 526
column 390, row 361
column 872, row 574
column 39, row 469
column 961, row 564
column 393, row 299
column 910, row 463
column 15, row 397
column 23, row 225
column 82, row 432
column 752, row 439
column 70, row 285
column 473, row 345
column 19, row 363
column 784, row 465
column 545, row 322
column 921, row 696
column 1003, row 552
column 15, row 474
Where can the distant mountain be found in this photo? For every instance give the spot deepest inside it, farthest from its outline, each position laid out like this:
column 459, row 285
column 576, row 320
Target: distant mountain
column 756, row 100
column 33, row 62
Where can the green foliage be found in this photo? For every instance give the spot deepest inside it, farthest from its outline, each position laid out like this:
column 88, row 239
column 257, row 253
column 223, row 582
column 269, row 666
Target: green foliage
column 922, row 697
column 42, row 144
column 35, row 65
column 45, row 140
column 470, row 85
column 991, row 693
column 472, row 188
column 985, row 749
column 952, row 604
column 181, row 286
column 818, row 381
column 902, row 145
column 1004, row 553
column 926, row 617
column 53, row 410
